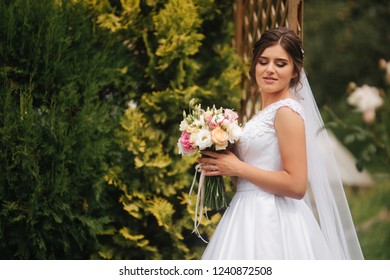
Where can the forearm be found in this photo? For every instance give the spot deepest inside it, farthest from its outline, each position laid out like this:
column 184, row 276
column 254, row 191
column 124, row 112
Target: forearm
column 289, row 182
column 278, row 182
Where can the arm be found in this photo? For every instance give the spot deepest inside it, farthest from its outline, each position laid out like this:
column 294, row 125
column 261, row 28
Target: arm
column 292, row 180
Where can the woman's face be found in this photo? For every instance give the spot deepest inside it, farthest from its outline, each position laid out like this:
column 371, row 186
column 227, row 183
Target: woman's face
column 274, row 70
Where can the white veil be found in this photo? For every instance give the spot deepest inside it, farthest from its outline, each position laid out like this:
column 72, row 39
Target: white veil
column 325, row 194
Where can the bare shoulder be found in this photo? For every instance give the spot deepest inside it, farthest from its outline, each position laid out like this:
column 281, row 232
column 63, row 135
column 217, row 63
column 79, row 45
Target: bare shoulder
column 287, row 117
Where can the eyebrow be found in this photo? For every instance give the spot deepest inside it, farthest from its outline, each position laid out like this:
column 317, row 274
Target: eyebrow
column 278, row 58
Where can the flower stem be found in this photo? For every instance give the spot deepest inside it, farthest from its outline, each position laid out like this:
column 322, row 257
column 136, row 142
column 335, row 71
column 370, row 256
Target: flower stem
column 215, row 193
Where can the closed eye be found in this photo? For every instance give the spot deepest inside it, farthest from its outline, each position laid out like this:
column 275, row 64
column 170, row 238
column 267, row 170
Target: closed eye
column 263, row 61
column 279, row 62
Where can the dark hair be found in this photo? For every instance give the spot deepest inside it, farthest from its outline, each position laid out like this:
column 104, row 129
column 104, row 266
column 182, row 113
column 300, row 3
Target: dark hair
column 289, row 41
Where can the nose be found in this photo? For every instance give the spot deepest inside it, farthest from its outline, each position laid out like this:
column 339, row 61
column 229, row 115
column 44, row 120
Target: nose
column 270, row 67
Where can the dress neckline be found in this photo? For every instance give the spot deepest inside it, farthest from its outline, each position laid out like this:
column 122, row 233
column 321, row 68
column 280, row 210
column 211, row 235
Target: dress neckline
column 274, row 104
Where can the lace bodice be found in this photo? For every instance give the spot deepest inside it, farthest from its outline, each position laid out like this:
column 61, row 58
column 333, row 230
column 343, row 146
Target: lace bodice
column 258, row 145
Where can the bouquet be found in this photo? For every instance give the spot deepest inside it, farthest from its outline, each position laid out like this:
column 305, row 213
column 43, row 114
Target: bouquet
column 211, row 129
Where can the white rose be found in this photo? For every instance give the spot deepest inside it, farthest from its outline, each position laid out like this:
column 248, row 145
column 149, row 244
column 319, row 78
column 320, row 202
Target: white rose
column 365, row 98
column 199, row 122
column 183, row 125
column 225, row 124
column 231, row 115
column 219, row 118
column 235, row 133
column 203, row 139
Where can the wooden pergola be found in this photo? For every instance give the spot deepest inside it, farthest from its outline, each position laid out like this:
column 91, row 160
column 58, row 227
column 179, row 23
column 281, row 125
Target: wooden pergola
column 252, row 18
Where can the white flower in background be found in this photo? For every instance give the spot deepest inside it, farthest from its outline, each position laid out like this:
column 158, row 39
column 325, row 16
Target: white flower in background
column 132, row 104
column 366, row 99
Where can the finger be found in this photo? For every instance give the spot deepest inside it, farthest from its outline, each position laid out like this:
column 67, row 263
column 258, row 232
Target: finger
column 204, row 161
column 212, row 173
column 210, row 154
column 209, row 167
column 207, row 160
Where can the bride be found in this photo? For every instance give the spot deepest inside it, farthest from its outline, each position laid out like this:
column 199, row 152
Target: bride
column 288, row 203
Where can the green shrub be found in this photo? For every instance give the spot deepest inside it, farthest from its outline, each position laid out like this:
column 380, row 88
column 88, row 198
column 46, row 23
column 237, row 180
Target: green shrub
column 58, row 75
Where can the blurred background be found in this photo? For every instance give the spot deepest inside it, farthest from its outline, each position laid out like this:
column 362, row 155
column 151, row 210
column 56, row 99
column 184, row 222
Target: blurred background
column 92, row 94
column 347, row 49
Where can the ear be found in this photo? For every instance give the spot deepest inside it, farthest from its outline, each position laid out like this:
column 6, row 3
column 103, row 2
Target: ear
column 294, row 75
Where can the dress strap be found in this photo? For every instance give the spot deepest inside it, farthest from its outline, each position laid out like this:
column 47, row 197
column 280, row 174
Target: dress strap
column 292, row 104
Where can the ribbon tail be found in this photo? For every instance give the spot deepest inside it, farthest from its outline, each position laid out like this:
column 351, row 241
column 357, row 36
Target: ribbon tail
column 197, row 169
column 199, row 208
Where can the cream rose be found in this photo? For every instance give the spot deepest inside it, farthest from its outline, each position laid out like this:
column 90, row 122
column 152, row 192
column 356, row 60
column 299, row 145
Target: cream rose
column 220, row 138
column 192, row 129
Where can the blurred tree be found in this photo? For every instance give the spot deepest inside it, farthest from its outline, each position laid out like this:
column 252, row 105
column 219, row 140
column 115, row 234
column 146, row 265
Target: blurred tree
column 343, row 42
column 58, row 95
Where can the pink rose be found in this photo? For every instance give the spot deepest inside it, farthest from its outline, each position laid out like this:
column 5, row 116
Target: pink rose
column 210, row 122
column 208, row 119
column 185, row 144
column 230, row 115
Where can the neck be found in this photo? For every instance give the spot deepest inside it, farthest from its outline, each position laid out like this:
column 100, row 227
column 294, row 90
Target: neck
column 269, row 98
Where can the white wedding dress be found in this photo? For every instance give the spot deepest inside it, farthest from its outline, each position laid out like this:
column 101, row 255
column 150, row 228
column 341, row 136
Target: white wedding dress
column 259, row 224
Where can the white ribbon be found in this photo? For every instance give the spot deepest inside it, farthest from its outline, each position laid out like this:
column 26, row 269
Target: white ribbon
column 199, row 207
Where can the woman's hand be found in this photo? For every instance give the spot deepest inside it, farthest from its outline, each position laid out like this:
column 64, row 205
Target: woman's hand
column 224, row 163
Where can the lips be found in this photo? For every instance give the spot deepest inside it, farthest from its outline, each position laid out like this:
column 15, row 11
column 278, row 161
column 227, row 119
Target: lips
column 269, row 79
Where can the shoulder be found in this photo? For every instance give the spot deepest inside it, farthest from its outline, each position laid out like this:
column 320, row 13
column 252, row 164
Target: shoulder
column 289, row 116
column 289, row 108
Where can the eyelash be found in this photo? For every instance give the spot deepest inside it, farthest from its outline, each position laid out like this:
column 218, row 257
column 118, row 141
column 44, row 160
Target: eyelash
column 277, row 64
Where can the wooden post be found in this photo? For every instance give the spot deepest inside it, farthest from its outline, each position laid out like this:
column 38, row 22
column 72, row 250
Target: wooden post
column 295, row 16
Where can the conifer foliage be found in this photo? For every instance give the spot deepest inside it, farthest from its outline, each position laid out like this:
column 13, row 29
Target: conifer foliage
column 57, row 74
column 91, row 96
column 183, row 50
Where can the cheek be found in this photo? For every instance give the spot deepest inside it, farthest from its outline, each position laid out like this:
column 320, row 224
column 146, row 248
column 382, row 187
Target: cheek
column 259, row 70
column 288, row 74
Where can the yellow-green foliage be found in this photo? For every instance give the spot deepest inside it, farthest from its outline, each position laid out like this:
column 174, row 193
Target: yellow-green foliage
column 145, row 142
column 129, row 15
column 175, row 60
column 177, row 31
